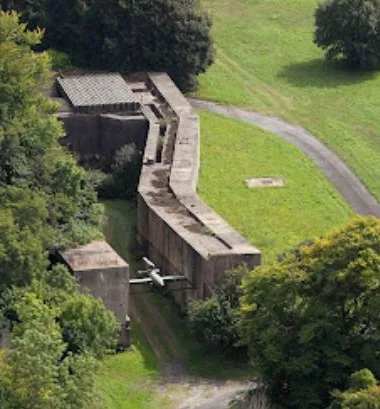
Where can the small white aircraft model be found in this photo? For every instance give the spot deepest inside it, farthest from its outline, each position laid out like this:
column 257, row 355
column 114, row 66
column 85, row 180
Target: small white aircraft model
column 154, row 275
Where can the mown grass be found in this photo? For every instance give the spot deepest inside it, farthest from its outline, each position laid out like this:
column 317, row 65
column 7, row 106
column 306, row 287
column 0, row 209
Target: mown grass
column 266, row 60
column 273, row 219
column 128, row 380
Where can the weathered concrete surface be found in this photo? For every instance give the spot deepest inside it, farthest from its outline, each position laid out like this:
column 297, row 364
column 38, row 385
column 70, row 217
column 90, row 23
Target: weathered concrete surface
column 101, row 135
column 344, row 180
column 91, row 93
column 180, row 233
column 99, row 269
column 5, row 341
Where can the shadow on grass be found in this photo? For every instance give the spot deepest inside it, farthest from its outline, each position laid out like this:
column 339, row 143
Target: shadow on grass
column 199, row 360
column 319, row 73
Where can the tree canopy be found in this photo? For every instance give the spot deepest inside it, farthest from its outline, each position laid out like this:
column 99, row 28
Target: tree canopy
column 127, row 35
column 349, row 29
column 46, row 201
column 311, row 319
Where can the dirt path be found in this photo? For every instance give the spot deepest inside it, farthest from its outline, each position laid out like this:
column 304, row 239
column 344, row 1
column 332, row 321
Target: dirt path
column 184, row 391
column 344, row 180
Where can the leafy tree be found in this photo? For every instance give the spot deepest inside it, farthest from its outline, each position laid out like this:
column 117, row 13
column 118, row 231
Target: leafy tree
column 22, row 218
column 33, row 373
column 128, row 35
column 349, row 29
column 30, row 156
column 312, row 318
column 215, row 321
column 88, row 326
column 363, row 393
column 85, row 323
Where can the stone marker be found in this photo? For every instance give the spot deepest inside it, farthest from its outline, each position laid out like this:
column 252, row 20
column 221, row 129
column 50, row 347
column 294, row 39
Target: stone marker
column 264, row 182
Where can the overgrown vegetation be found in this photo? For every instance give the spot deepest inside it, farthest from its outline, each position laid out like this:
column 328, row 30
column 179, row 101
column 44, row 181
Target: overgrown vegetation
column 57, row 334
column 121, row 180
column 47, row 203
column 311, row 319
column 216, row 321
column 127, row 36
column 363, row 393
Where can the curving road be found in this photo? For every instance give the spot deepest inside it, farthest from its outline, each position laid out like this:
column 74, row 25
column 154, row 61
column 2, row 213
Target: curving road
column 344, row 180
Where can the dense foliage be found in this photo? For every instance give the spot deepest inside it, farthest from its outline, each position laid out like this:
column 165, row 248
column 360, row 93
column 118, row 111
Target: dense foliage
column 363, row 393
column 45, row 368
column 122, row 179
column 216, row 320
column 127, row 35
column 46, row 202
column 312, row 318
column 349, row 29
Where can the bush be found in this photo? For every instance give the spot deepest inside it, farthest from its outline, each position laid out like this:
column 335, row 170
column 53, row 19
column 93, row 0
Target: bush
column 59, row 60
column 123, row 179
column 215, row 321
column 364, row 394
column 349, row 29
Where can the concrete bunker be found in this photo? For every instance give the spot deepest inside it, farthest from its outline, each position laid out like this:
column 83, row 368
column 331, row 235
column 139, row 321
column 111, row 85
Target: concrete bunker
column 100, row 270
column 100, row 114
column 177, row 230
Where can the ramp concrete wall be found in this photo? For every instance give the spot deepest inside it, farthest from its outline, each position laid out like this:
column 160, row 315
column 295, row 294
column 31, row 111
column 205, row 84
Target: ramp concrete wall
column 179, row 232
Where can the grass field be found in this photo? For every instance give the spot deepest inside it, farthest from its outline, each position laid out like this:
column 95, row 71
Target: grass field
column 129, row 380
column 273, row 219
column 265, row 59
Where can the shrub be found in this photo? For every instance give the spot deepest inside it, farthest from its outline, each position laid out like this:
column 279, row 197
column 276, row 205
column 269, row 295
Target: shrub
column 124, row 177
column 362, row 394
column 59, row 60
column 215, row 321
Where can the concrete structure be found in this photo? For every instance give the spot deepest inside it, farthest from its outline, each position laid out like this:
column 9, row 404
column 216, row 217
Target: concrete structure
column 100, row 270
column 100, row 113
column 177, row 230
column 97, row 93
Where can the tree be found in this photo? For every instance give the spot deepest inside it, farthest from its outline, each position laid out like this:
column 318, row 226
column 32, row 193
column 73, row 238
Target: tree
column 128, row 35
column 215, row 321
column 363, row 393
column 31, row 157
column 349, row 29
column 34, row 374
column 88, row 326
column 85, row 323
column 312, row 318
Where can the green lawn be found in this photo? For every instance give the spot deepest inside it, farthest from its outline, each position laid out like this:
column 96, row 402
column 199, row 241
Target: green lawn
column 129, row 380
column 273, row 219
column 265, row 59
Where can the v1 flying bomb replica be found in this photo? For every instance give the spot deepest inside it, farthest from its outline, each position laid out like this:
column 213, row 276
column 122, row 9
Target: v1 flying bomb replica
column 153, row 275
